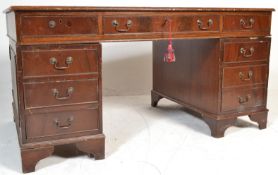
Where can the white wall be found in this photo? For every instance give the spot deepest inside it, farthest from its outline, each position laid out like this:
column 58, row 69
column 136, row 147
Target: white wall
column 127, row 68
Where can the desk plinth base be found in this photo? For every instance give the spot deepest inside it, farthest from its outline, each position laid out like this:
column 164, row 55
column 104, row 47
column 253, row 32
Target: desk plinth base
column 32, row 153
column 217, row 123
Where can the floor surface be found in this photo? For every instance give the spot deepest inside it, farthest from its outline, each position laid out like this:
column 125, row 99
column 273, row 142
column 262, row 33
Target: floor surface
column 141, row 140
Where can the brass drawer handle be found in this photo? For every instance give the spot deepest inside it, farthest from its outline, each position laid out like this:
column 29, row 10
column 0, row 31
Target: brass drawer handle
column 56, row 93
column 249, row 76
column 245, row 99
column 54, row 61
column 201, row 25
column 116, row 24
column 246, row 53
column 62, row 125
column 247, row 25
column 51, row 24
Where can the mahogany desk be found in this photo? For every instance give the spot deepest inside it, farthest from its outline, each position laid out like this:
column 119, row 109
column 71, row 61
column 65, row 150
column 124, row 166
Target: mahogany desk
column 221, row 71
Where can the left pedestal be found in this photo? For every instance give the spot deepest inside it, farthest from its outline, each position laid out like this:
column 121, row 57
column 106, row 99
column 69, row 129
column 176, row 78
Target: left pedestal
column 57, row 100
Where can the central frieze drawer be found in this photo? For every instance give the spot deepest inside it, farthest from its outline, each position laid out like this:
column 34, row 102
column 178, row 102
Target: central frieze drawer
column 47, row 94
column 41, row 25
column 59, row 61
column 245, row 75
column 145, row 24
column 66, row 124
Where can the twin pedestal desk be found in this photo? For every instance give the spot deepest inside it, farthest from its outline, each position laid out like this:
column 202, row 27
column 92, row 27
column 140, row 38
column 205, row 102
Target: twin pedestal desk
column 220, row 72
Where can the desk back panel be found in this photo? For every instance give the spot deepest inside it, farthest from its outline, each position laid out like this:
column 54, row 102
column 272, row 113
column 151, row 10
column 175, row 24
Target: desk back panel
column 194, row 77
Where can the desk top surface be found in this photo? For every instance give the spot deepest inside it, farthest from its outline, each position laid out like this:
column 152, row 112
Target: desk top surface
column 124, row 9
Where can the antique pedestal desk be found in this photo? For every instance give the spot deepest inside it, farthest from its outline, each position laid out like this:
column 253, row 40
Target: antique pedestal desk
column 220, row 72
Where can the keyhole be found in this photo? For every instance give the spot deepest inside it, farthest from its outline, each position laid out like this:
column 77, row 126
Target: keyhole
column 60, row 21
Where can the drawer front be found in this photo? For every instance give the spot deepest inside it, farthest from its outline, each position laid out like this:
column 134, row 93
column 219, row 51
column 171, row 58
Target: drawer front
column 198, row 23
column 247, row 23
column 38, row 95
column 144, row 24
column 245, row 75
column 246, row 51
column 132, row 24
column 58, row 25
column 240, row 99
column 62, row 124
column 59, row 62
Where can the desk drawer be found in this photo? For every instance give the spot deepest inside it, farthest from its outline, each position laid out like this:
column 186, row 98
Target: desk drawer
column 62, row 124
column 47, row 94
column 133, row 24
column 257, row 23
column 145, row 24
column 41, row 25
column 245, row 75
column 246, row 50
column 60, row 60
column 240, row 99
